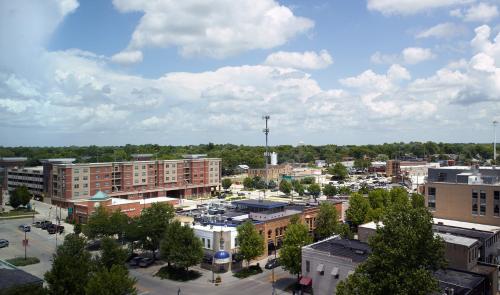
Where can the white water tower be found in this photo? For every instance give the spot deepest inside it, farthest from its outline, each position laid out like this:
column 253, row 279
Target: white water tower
column 274, row 158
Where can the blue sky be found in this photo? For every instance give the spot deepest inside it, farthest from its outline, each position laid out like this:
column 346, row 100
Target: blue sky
column 169, row 72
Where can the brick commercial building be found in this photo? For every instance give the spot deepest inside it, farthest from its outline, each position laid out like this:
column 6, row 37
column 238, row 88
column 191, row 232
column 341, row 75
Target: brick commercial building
column 30, row 177
column 194, row 175
column 80, row 210
column 470, row 194
column 274, row 172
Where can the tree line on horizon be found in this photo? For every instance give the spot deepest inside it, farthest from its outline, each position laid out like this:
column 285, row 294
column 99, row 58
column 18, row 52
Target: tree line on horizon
column 233, row 155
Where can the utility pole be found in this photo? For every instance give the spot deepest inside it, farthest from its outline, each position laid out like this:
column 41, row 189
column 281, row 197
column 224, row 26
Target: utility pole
column 266, row 132
column 495, row 142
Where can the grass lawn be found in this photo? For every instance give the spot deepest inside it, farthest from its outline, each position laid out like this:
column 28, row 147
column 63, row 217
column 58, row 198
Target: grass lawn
column 20, row 261
column 18, row 212
column 177, row 274
column 246, row 272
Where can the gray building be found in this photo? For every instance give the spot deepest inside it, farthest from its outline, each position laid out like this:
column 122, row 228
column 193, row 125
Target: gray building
column 30, row 177
column 327, row 262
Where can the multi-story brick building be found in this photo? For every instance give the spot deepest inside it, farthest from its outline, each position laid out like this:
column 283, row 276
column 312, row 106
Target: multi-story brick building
column 274, row 172
column 194, row 175
column 30, row 177
column 464, row 193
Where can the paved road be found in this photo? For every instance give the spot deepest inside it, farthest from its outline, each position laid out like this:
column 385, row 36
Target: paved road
column 41, row 244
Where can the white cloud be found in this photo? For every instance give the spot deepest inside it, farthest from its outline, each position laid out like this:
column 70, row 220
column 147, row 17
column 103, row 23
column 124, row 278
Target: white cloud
column 300, row 60
column 127, row 57
column 406, row 7
column 444, row 30
column 414, row 55
column 369, row 81
column 199, row 28
column 482, row 12
column 409, row 56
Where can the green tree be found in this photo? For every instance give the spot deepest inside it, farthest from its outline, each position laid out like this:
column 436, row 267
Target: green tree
column 153, row 223
column 405, row 253
column 362, row 163
column 25, row 289
column 71, row 268
column 181, row 246
column 118, row 222
column 251, row 242
column 98, row 224
column 248, row 183
column 339, row 171
column 112, row 254
column 296, row 236
column 326, row 221
column 20, row 196
column 308, row 180
column 315, row 190
column 417, row 200
column 272, row 184
column 285, row 187
column 112, row 281
column 358, row 209
column 329, row 190
column 379, row 198
column 226, row 183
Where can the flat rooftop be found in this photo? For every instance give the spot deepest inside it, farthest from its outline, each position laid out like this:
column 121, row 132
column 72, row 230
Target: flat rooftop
column 353, row 249
column 264, row 204
column 459, row 240
column 462, row 282
column 214, row 228
column 467, row 225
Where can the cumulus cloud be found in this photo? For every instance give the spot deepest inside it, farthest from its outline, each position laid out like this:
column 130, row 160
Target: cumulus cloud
column 481, row 12
column 127, row 57
column 300, row 60
column 407, row 7
column 444, row 30
column 409, row 56
column 414, row 55
column 217, row 28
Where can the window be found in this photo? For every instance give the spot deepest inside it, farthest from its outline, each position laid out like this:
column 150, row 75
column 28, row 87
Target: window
column 277, row 232
column 85, row 178
column 97, row 184
column 441, row 177
column 76, row 185
column 143, row 180
column 482, row 203
column 173, row 178
column 136, row 174
column 143, row 166
column 496, row 203
column 208, row 244
column 76, row 194
column 76, row 170
column 431, row 199
column 167, row 178
column 106, row 183
column 85, row 170
column 97, row 170
column 203, row 241
column 474, row 202
column 269, row 233
column 308, row 266
column 167, row 172
column 143, row 173
column 97, row 177
column 136, row 167
column 85, row 185
column 136, row 181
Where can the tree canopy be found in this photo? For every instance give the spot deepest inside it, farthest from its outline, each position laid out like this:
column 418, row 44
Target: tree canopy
column 339, row 171
column 358, row 209
column 405, row 253
column 251, row 242
column 327, row 221
column 153, row 223
column 285, row 187
column 226, row 183
column 329, row 190
column 180, row 246
column 20, row 196
column 112, row 281
column 296, row 236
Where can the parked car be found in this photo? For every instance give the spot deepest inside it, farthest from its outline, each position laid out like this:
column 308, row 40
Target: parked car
column 37, row 224
column 145, row 262
column 131, row 256
column 45, row 224
column 272, row 263
column 25, row 228
column 135, row 261
column 93, row 245
column 241, row 193
column 54, row 228
column 4, row 243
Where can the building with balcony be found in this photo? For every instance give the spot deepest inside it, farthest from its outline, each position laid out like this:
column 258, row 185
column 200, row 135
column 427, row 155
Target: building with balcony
column 30, row 177
column 194, row 175
column 470, row 194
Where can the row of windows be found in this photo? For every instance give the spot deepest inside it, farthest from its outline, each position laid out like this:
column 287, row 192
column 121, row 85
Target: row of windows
column 478, row 198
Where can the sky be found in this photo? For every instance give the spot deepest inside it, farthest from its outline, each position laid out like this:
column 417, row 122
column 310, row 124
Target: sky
column 112, row 72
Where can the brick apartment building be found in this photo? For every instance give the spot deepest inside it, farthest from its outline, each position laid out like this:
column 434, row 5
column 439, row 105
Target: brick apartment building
column 464, row 193
column 194, row 175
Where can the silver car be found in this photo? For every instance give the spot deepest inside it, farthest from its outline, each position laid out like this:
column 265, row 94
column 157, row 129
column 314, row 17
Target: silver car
column 4, row 243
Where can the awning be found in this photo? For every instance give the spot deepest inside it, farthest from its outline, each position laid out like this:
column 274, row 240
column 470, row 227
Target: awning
column 305, row 281
column 335, row 271
column 320, row 268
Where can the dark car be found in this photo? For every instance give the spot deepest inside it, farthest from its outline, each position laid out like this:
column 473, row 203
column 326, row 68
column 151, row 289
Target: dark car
column 135, row 261
column 4, row 243
column 25, row 228
column 272, row 263
column 45, row 224
column 145, row 262
column 93, row 245
column 54, row 228
column 131, row 256
column 37, row 224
